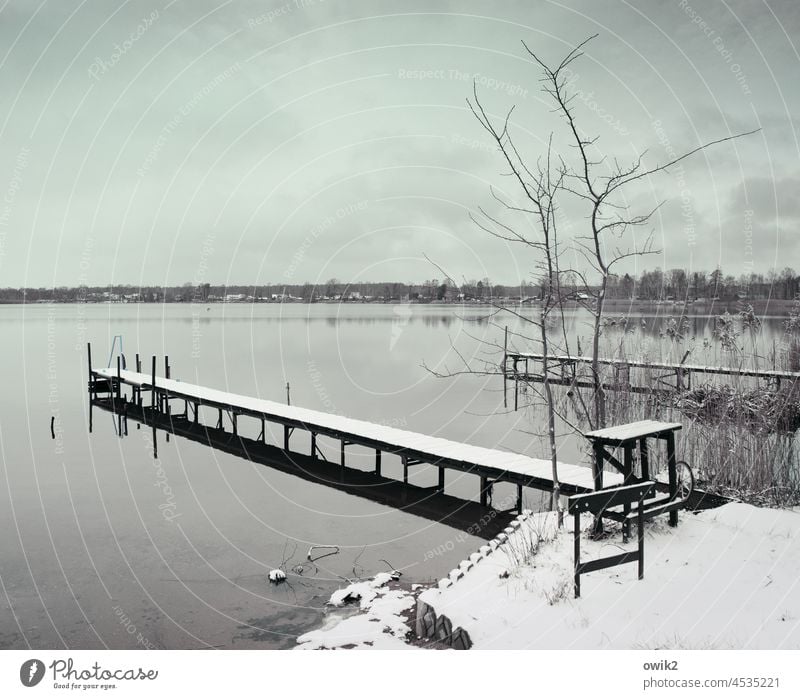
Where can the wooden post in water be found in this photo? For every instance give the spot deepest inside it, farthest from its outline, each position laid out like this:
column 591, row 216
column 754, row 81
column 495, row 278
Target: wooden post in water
column 117, row 399
column 166, row 407
column 484, row 498
column 314, row 446
column 92, row 391
column 405, row 469
column 441, row 479
column 519, row 498
column 153, row 390
column 286, row 438
column 378, row 462
column 138, row 391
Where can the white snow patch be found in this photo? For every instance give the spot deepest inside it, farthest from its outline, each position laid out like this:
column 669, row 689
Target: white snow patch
column 724, row 578
column 379, row 624
column 277, row 575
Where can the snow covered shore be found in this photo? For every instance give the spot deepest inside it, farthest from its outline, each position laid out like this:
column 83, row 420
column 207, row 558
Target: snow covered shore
column 727, row 578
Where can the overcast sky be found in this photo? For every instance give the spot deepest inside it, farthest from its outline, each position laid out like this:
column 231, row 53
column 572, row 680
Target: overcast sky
column 166, row 141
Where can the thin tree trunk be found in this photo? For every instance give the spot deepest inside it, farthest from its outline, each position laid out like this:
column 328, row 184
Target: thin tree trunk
column 599, row 391
column 551, row 421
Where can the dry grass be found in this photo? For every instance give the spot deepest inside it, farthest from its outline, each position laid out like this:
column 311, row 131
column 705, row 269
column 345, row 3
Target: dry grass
column 738, row 434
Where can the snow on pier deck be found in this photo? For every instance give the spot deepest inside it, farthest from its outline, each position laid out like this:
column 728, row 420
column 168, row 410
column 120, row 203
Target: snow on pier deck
column 413, row 447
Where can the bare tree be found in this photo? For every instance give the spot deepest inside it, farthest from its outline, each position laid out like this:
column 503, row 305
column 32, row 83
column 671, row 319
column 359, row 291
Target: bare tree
column 542, row 183
column 600, row 184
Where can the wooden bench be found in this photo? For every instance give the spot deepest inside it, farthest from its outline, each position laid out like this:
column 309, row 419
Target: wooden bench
column 597, row 503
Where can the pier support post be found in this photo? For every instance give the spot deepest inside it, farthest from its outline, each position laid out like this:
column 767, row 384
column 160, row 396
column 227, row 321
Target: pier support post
column 519, row 499
column 378, row 462
column 153, row 390
column 138, row 391
column 235, row 424
column 220, row 424
column 597, row 473
column 405, row 469
column 92, row 392
column 263, row 431
column 484, row 493
column 286, row 437
column 119, row 379
column 196, row 413
column 441, row 479
column 314, row 446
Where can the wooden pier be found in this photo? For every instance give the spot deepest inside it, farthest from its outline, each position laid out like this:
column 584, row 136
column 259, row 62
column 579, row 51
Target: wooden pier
column 522, row 367
column 124, row 390
column 481, row 521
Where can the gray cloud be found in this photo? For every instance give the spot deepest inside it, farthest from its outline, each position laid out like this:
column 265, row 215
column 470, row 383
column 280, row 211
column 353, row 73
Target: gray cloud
column 250, row 124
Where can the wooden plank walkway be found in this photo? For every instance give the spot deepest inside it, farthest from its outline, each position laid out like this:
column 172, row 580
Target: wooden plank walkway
column 666, row 366
column 428, row 502
column 492, row 465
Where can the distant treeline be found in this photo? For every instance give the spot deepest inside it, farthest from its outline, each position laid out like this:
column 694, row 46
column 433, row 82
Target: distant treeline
column 653, row 285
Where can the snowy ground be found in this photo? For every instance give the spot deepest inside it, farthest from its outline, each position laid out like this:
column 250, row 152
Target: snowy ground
column 724, row 578
column 727, row 578
column 379, row 624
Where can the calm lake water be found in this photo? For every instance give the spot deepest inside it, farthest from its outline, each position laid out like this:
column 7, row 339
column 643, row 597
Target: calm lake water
column 88, row 560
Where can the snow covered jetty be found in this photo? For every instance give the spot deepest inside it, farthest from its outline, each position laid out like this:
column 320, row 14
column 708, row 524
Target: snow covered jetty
column 491, row 465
